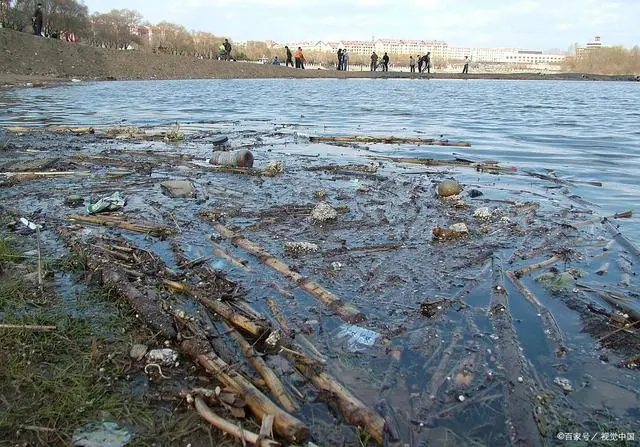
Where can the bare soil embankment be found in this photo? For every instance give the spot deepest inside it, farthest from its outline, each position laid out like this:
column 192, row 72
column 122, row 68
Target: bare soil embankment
column 26, row 58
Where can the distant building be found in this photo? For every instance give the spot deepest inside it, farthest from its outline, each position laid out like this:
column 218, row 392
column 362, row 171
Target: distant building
column 142, row 31
column 595, row 44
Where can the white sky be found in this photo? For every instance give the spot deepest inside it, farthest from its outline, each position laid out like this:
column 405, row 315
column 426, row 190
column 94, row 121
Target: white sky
column 531, row 24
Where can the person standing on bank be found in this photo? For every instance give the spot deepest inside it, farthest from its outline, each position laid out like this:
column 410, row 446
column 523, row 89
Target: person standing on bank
column 300, row 60
column 374, row 61
column 289, row 57
column 427, row 62
column 412, row 64
column 420, row 62
column 339, row 59
column 345, row 60
column 465, row 69
column 36, row 20
column 385, row 62
column 227, row 49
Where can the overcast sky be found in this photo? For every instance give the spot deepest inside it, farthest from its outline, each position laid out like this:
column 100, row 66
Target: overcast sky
column 531, row 24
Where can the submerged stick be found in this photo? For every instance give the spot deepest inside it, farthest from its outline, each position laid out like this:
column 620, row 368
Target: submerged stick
column 387, row 140
column 346, row 311
column 222, row 253
column 624, row 328
column 622, row 240
column 523, row 271
column 520, row 406
column 270, row 378
column 220, row 308
column 230, row 428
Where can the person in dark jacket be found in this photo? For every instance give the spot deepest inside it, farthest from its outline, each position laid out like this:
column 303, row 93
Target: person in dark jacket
column 385, row 62
column 289, row 56
column 427, row 62
column 374, row 61
column 227, row 49
column 36, row 20
column 339, row 59
column 420, row 62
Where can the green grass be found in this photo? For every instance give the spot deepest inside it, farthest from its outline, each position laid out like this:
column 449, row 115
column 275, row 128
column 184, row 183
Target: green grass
column 9, row 251
column 52, row 383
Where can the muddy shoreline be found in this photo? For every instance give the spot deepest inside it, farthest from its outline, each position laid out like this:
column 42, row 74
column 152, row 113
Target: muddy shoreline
column 34, row 61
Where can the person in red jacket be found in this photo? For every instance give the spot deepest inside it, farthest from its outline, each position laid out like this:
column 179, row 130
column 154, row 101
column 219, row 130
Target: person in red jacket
column 299, row 57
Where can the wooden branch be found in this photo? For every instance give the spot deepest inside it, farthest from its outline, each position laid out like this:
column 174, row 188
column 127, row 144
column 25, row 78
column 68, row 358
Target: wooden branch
column 354, row 410
column 28, row 327
column 220, row 308
column 622, row 240
column 222, row 253
column 346, row 311
column 151, row 228
column 74, row 130
column 523, row 271
column 387, row 140
column 286, row 425
column 270, row 378
column 230, row 428
column 277, row 313
column 555, row 333
column 623, row 328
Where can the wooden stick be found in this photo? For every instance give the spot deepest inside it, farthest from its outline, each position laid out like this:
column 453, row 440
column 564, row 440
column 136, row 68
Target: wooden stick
column 352, row 408
column 346, row 311
column 75, row 130
column 48, row 173
column 523, row 271
column 28, row 327
column 625, row 327
column 279, row 316
column 228, row 427
column 222, row 253
column 622, row 240
column 286, row 425
column 270, row 378
column 151, row 228
column 219, row 308
column 387, row 140
column 555, row 333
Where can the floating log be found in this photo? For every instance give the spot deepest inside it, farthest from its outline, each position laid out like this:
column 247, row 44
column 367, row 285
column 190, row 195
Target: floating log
column 270, row 378
column 346, row 311
column 387, row 140
column 73, row 130
column 230, row 428
column 218, row 307
column 152, row 228
column 286, row 425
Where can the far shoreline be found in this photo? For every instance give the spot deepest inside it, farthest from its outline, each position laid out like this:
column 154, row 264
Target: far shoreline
column 10, row 80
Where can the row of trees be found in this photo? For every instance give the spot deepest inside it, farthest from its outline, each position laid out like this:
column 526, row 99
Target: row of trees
column 607, row 60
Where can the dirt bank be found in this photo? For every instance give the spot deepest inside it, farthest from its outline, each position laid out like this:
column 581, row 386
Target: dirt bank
column 30, row 59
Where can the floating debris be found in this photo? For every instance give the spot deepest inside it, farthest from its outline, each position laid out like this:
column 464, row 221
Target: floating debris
column 296, row 248
column 323, row 212
column 564, row 384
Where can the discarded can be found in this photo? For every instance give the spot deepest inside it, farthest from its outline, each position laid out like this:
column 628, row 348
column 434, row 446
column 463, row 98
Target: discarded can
column 240, row 159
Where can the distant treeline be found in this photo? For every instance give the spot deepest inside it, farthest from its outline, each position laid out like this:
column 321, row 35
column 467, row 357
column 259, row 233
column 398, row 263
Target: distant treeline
column 608, row 60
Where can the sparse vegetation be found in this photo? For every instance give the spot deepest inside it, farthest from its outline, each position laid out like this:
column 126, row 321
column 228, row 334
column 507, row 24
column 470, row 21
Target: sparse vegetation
column 612, row 60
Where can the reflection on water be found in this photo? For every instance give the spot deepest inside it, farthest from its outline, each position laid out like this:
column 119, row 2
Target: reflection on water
column 582, row 130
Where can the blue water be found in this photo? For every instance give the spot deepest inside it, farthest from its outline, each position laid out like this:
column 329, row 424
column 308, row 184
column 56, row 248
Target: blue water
column 581, row 130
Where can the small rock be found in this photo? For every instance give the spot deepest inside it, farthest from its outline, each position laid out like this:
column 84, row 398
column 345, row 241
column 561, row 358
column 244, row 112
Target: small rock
column 483, row 213
column 324, row 212
column 448, row 188
column 520, row 380
column 564, row 384
column 475, row 193
column 165, row 357
column 137, row 351
column 459, row 228
column 461, row 398
column 220, row 139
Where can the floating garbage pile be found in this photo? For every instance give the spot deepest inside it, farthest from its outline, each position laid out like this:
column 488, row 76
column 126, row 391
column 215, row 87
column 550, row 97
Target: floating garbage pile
column 339, row 294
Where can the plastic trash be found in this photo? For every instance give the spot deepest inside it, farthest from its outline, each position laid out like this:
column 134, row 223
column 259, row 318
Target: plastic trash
column 110, row 203
column 100, row 434
column 30, row 225
column 358, row 337
column 239, row 159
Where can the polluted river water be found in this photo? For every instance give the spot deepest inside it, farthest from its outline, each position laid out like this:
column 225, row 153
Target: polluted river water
column 511, row 332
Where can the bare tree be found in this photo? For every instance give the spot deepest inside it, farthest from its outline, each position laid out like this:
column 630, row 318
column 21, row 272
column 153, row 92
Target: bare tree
column 117, row 28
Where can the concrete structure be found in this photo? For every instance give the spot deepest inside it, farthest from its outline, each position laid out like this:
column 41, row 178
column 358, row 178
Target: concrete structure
column 595, row 44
